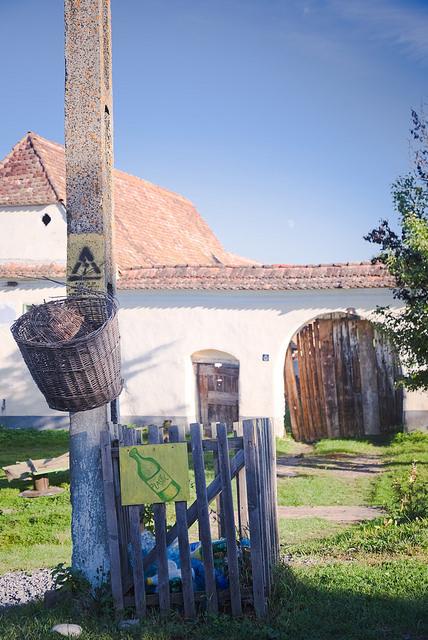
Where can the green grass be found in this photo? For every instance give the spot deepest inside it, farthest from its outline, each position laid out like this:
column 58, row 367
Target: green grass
column 286, row 446
column 295, row 532
column 333, row 601
column 364, row 582
column 397, row 458
column 319, row 486
column 34, row 557
column 354, row 601
column 25, row 522
column 323, row 490
column 358, row 447
column 34, row 533
column 21, row 444
column 379, row 536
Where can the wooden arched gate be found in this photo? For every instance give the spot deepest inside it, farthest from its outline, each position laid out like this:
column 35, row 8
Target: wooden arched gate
column 340, row 380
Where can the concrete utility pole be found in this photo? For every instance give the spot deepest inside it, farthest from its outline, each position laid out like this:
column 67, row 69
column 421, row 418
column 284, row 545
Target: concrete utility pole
column 89, row 161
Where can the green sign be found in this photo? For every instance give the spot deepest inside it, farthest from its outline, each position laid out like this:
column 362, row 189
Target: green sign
column 154, row 473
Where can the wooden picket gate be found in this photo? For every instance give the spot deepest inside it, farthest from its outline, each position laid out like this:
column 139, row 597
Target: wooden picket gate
column 252, row 468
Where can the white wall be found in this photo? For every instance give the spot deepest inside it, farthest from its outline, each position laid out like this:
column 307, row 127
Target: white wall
column 19, row 396
column 160, row 332
column 173, row 325
column 24, row 237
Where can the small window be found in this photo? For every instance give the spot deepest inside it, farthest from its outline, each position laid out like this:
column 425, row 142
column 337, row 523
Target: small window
column 46, row 219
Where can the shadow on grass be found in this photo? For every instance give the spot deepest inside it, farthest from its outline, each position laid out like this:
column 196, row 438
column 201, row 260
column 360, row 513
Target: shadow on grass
column 353, row 602
column 331, row 462
column 312, row 603
column 55, row 480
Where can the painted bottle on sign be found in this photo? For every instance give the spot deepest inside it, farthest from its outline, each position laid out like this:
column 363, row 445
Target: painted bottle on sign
column 159, row 480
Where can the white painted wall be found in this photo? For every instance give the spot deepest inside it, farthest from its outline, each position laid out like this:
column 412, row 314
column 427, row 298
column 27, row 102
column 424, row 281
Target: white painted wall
column 160, row 332
column 24, row 237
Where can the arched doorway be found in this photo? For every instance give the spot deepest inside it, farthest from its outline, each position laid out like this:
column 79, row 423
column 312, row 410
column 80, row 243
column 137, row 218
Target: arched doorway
column 340, row 379
column 217, row 386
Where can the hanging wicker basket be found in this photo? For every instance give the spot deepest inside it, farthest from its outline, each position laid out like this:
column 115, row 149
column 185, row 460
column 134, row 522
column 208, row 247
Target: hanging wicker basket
column 71, row 347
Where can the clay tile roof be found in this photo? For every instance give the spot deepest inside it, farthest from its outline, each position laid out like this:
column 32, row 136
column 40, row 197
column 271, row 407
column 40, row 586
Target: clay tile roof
column 23, row 176
column 21, row 270
column 259, row 278
column 153, row 225
column 158, row 227
column 362, row 275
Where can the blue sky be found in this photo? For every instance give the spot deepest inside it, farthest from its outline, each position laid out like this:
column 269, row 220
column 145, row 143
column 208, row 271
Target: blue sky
column 284, row 121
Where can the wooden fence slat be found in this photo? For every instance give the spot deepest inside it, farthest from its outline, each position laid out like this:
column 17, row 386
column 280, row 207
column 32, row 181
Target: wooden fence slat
column 264, row 503
column 308, row 425
column 386, row 403
column 111, row 520
column 229, row 520
column 319, row 384
column 237, row 463
column 271, row 461
column 314, row 397
column 122, row 513
column 270, row 520
column 133, row 437
column 183, row 543
column 293, row 397
column 329, row 378
column 356, row 376
column 219, row 497
column 351, row 416
column 159, row 516
column 340, row 375
column 369, row 388
column 388, row 371
column 254, row 514
column 303, row 391
column 203, row 517
column 241, row 492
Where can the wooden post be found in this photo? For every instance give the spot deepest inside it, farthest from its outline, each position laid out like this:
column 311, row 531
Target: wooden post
column 89, row 160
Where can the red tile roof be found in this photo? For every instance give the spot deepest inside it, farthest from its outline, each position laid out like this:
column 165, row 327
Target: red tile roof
column 233, row 278
column 259, row 277
column 26, row 270
column 158, row 227
column 153, row 225
column 23, row 175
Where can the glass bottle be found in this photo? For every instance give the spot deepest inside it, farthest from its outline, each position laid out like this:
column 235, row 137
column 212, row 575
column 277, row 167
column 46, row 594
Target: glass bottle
column 159, row 480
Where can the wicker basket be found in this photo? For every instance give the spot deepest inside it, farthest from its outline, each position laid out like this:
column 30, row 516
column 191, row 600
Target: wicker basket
column 71, row 347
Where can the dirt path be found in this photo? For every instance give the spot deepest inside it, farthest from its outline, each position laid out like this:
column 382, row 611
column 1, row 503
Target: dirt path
column 340, row 465
column 334, row 514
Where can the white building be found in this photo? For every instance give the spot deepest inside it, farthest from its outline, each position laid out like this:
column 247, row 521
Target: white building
column 206, row 341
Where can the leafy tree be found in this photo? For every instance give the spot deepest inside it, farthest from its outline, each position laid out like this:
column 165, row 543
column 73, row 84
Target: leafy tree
column 405, row 254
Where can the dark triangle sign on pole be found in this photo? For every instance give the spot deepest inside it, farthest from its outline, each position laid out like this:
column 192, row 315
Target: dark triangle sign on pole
column 89, row 160
column 85, row 268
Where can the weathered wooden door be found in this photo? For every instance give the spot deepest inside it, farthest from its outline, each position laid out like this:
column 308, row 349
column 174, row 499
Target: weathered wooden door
column 218, row 393
column 345, row 380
